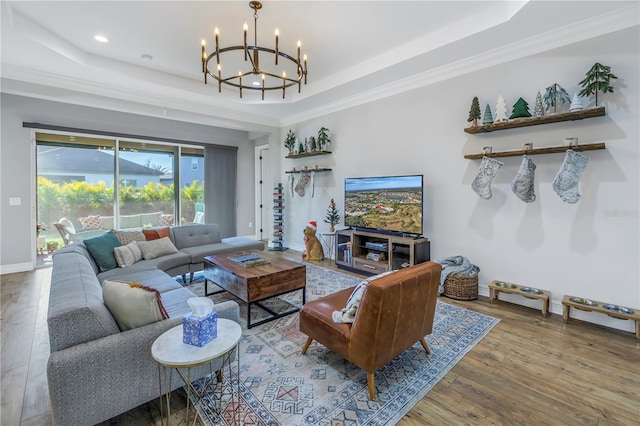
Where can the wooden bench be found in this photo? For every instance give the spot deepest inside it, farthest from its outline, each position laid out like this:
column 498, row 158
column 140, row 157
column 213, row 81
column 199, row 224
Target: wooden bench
column 615, row 311
column 530, row 293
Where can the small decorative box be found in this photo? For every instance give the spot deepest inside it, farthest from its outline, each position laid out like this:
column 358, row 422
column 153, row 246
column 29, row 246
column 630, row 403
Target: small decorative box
column 198, row 331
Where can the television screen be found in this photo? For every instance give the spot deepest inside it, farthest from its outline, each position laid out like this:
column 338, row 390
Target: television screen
column 390, row 203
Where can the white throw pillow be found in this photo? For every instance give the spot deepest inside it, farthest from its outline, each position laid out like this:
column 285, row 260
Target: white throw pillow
column 127, row 255
column 348, row 314
column 156, row 248
column 132, row 305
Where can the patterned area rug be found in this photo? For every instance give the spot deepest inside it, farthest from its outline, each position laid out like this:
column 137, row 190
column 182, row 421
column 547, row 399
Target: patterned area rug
column 280, row 386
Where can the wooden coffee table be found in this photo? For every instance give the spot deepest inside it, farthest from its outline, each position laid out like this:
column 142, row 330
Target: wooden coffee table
column 256, row 283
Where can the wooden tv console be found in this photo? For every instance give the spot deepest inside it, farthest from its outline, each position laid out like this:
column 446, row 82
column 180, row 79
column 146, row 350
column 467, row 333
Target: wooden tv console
column 372, row 253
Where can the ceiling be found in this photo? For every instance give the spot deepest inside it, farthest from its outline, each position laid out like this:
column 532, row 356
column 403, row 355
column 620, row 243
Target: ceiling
column 358, row 50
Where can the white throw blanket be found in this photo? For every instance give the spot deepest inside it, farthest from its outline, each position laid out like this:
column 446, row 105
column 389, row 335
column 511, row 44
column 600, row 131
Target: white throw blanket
column 455, row 264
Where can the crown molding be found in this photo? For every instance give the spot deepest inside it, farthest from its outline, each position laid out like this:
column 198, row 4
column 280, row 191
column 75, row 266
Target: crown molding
column 614, row 21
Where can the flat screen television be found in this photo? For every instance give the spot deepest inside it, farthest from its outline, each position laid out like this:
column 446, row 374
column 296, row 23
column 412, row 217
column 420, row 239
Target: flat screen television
column 385, row 203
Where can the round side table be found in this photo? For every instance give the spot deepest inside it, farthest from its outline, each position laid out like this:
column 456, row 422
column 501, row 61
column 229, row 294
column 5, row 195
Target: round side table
column 172, row 354
column 328, row 238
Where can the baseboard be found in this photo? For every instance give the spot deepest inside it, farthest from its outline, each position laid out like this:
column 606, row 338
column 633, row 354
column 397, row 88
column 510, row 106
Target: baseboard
column 16, row 267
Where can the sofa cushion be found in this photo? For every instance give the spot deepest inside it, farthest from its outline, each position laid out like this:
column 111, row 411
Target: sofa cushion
column 155, row 234
column 101, row 249
column 196, row 235
column 154, row 278
column 132, row 304
column 128, row 254
column 156, row 248
column 125, row 237
column 77, row 313
column 175, row 302
column 164, row 263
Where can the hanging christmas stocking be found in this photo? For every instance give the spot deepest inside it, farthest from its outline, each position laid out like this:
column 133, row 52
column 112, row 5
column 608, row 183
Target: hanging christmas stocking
column 302, row 182
column 522, row 184
column 566, row 181
column 313, row 184
column 291, row 179
column 481, row 185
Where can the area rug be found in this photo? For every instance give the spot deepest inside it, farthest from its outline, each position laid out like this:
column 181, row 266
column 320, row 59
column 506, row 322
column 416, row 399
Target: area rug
column 280, row 386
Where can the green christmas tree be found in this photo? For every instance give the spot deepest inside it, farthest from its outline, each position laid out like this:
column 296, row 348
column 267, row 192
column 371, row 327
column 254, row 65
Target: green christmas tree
column 520, row 109
column 323, row 137
column 487, row 118
column 598, row 78
column 474, row 112
column 333, row 215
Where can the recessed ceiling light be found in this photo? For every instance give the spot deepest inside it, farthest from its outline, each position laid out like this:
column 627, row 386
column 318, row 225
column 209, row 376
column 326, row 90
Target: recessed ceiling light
column 146, row 57
column 101, row 38
column 255, row 83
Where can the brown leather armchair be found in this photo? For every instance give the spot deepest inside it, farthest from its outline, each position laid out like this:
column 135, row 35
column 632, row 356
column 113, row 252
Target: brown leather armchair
column 396, row 311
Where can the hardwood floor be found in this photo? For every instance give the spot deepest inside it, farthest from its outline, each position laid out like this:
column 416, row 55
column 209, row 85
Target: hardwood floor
column 527, row 371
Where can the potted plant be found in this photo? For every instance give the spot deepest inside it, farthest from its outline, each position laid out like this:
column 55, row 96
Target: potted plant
column 323, row 138
column 333, row 216
column 52, row 246
column 290, row 141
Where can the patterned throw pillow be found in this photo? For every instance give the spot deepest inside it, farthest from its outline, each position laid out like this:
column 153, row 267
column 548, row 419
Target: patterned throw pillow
column 155, row 234
column 165, row 220
column 127, row 255
column 132, row 304
column 90, row 222
column 126, row 237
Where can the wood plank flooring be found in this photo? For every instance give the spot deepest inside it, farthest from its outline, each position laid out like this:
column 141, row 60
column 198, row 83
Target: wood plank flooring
column 528, row 370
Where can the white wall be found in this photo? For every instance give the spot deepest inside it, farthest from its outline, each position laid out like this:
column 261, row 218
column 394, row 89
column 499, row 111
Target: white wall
column 17, row 223
column 588, row 249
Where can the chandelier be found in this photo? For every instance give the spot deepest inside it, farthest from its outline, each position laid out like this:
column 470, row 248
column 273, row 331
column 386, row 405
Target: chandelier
column 255, row 77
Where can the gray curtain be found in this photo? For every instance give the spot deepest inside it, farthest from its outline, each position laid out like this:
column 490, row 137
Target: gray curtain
column 220, row 168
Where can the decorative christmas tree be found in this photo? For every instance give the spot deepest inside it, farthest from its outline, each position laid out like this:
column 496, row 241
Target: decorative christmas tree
column 290, row 141
column 554, row 94
column 597, row 78
column 520, row 109
column 538, row 109
column 333, row 216
column 487, row 118
column 474, row 112
column 312, row 144
column 300, row 148
column 576, row 103
column 323, row 138
column 501, row 110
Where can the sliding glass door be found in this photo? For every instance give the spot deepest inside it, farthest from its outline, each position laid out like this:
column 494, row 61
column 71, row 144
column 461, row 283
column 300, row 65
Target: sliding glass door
column 77, row 197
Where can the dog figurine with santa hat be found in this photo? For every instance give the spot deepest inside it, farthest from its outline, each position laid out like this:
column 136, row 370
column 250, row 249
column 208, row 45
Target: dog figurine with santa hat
column 313, row 246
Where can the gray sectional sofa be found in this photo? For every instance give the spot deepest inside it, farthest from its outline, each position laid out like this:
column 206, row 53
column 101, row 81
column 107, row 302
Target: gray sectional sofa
column 95, row 371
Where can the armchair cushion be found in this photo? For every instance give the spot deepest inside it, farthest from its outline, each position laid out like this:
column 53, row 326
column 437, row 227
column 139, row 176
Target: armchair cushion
column 90, row 222
column 101, row 249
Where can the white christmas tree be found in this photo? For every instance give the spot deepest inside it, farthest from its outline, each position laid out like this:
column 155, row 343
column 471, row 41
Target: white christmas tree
column 576, row 103
column 538, row 109
column 501, row 110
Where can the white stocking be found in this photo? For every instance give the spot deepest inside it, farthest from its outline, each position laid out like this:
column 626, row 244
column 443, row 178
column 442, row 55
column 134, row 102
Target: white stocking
column 291, row 179
column 481, row 185
column 302, row 182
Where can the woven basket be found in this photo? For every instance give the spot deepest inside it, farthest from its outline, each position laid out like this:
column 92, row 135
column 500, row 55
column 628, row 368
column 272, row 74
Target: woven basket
column 461, row 287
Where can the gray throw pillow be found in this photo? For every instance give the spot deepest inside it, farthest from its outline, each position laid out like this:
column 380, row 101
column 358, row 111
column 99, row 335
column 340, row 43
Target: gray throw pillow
column 125, row 237
column 156, row 248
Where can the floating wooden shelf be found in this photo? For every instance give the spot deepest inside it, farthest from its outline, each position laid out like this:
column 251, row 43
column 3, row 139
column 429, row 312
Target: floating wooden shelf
column 308, row 154
column 308, row 170
column 536, row 151
column 534, row 121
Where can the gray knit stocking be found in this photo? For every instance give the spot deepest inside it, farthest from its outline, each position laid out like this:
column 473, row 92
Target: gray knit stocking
column 302, row 182
column 481, row 185
column 522, row 184
column 566, row 181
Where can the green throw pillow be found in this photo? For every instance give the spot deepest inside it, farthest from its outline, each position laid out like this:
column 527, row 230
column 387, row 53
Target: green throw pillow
column 101, row 249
